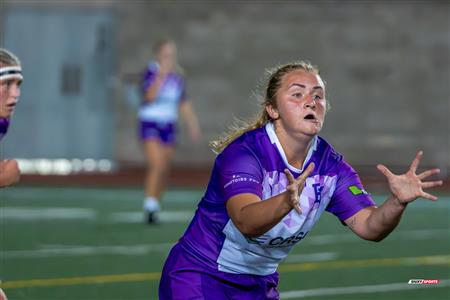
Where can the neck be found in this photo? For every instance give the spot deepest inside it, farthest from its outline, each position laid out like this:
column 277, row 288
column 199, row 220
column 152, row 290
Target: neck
column 295, row 147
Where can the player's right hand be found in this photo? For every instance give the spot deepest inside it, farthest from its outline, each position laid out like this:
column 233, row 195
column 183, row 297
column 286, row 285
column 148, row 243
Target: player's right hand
column 295, row 186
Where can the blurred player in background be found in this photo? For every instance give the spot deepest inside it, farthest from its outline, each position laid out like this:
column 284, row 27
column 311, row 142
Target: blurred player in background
column 10, row 80
column 164, row 98
column 270, row 184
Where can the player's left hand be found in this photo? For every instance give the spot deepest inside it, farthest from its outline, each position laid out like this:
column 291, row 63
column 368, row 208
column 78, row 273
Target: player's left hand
column 409, row 186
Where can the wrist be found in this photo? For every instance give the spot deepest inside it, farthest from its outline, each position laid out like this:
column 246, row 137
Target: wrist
column 399, row 203
column 287, row 204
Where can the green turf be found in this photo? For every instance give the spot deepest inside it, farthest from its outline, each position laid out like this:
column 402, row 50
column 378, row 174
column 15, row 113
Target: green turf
column 54, row 246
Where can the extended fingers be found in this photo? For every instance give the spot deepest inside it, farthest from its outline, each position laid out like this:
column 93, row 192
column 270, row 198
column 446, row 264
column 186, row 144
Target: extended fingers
column 289, row 176
column 428, row 173
column 383, row 169
column 428, row 196
column 430, row 184
column 292, row 188
column 416, row 161
column 307, row 172
column 295, row 202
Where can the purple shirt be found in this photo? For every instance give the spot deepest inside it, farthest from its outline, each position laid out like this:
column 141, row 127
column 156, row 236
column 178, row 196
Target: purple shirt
column 254, row 163
column 164, row 108
column 4, row 124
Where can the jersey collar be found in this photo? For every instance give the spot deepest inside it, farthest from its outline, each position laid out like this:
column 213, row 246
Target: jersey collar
column 274, row 140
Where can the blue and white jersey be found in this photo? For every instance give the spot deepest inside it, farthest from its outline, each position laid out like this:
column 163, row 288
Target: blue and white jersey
column 164, row 108
column 255, row 163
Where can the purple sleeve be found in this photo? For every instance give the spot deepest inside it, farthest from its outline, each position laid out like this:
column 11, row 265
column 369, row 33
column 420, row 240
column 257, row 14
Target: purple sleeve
column 349, row 196
column 149, row 76
column 239, row 171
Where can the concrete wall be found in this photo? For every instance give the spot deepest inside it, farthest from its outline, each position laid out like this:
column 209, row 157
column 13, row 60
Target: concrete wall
column 386, row 64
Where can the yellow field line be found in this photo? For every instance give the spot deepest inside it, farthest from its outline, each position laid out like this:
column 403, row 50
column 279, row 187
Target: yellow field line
column 80, row 280
column 284, row 268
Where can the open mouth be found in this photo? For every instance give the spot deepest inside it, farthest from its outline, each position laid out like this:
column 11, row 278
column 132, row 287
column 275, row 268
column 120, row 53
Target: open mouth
column 310, row 117
column 10, row 107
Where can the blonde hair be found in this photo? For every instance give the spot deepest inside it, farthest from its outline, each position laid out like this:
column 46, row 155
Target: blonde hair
column 275, row 75
column 159, row 44
column 7, row 58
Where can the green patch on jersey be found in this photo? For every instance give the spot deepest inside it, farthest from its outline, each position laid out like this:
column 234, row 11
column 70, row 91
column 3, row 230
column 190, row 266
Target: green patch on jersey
column 356, row 190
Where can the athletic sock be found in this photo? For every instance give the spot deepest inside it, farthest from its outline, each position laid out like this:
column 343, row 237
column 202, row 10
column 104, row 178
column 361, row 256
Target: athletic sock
column 151, row 204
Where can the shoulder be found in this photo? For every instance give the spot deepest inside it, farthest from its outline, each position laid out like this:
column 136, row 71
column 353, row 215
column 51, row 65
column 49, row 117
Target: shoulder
column 239, row 149
column 335, row 160
column 328, row 152
column 243, row 152
column 253, row 141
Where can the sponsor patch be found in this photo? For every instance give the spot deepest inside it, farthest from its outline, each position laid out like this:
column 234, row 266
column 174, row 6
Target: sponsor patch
column 356, row 190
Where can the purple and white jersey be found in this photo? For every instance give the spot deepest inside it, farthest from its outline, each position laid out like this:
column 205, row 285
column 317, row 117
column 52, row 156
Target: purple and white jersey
column 164, row 108
column 4, row 124
column 254, row 163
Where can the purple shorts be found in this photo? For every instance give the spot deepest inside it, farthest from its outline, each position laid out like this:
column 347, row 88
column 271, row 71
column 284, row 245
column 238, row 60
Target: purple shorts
column 184, row 277
column 165, row 132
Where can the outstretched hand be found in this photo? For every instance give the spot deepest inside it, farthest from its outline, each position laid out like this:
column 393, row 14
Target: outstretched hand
column 295, row 186
column 409, row 186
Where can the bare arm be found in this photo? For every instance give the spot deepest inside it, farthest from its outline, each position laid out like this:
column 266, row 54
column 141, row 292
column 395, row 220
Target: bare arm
column 152, row 91
column 9, row 172
column 254, row 217
column 374, row 223
column 190, row 118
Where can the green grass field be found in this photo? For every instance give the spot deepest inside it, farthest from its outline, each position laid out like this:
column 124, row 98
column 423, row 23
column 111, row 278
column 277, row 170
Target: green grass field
column 67, row 243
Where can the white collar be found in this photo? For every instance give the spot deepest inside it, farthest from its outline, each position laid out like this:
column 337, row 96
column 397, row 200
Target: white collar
column 274, row 140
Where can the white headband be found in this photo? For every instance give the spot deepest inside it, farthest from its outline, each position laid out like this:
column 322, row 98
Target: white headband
column 11, row 72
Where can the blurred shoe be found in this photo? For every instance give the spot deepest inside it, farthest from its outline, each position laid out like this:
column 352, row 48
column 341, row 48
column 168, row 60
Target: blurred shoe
column 152, row 217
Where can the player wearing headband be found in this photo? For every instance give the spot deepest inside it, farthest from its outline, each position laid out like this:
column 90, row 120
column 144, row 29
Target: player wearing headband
column 10, row 80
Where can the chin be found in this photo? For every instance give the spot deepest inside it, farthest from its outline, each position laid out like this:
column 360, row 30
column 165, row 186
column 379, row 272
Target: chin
column 313, row 131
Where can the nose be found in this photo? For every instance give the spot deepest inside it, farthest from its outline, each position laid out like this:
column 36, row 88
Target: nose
column 14, row 91
column 309, row 102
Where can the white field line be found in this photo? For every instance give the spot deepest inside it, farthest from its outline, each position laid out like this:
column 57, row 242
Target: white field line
column 379, row 288
column 164, row 216
column 96, row 194
column 33, row 213
column 67, row 251
column 64, row 213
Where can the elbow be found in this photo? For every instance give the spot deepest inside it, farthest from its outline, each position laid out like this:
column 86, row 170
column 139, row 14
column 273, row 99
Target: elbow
column 374, row 238
column 252, row 235
column 248, row 231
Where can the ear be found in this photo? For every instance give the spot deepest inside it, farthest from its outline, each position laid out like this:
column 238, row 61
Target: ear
column 272, row 112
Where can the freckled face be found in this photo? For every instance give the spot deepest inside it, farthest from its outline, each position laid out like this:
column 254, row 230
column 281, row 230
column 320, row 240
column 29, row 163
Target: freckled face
column 301, row 104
